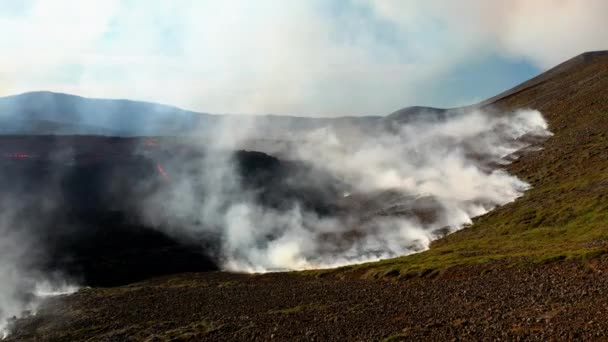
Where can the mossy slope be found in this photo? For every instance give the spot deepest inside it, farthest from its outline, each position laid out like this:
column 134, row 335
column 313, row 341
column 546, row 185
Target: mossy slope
column 565, row 215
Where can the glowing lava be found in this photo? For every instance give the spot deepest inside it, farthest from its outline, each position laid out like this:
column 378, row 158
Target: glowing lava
column 162, row 171
column 18, row 155
column 151, row 143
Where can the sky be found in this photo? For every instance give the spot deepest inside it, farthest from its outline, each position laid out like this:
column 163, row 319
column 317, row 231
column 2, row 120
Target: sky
column 297, row 57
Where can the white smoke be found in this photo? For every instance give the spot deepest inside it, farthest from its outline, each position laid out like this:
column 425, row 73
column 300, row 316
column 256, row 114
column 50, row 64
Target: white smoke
column 22, row 288
column 405, row 184
column 27, row 219
column 386, row 187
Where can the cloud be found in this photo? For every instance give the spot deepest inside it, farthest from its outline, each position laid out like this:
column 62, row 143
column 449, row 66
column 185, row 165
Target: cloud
column 307, row 57
column 546, row 32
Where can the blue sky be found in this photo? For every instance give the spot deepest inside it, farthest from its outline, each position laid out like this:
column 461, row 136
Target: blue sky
column 302, row 57
column 476, row 81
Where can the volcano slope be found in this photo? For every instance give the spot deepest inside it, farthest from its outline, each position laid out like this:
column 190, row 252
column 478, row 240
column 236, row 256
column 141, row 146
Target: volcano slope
column 532, row 269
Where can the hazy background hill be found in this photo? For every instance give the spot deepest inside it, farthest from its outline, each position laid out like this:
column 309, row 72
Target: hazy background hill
column 54, row 113
column 46, row 112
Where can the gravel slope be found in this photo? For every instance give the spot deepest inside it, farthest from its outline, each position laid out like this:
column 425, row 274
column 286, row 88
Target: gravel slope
column 561, row 301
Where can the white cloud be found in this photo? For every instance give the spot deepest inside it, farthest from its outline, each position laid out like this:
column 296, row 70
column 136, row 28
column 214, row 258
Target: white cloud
column 301, row 57
column 544, row 31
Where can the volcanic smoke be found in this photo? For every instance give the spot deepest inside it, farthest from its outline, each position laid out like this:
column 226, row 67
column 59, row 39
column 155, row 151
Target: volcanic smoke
column 251, row 197
column 407, row 183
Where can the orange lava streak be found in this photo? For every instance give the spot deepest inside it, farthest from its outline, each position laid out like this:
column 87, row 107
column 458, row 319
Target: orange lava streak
column 162, row 171
column 18, row 155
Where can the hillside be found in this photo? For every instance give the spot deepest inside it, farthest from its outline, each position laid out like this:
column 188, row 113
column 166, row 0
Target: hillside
column 564, row 215
column 532, row 269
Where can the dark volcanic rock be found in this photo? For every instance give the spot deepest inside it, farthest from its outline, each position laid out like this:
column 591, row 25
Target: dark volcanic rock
column 79, row 213
column 81, row 200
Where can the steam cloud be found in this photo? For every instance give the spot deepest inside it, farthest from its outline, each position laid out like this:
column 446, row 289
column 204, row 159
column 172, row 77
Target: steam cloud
column 22, row 285
column 394, row 188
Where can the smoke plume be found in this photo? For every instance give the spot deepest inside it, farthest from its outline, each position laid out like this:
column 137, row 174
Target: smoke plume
column 23, row 283
column 253, row 194
column 362, row 192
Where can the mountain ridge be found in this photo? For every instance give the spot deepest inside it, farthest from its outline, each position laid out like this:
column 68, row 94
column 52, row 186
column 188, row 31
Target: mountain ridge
column 124, row 117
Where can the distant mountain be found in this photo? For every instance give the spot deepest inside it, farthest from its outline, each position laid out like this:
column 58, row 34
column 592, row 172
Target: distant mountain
column 415, row 113
column 45, row 112
column 55, row 113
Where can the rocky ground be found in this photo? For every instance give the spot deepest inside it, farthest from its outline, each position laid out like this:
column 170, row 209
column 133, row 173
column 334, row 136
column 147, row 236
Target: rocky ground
column 562, row 301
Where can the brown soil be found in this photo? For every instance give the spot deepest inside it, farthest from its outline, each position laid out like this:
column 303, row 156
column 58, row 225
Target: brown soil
column 561, row 301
